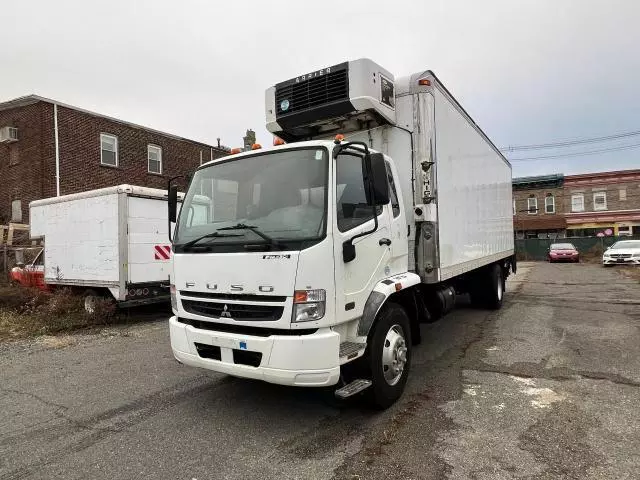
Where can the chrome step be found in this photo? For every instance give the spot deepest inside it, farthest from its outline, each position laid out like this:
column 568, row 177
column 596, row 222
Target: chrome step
column 351, row 349
column 352, row 388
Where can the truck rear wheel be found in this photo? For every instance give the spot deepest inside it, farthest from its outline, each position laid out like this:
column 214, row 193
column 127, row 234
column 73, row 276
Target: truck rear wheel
column 487, row 289
column 389, row 355
column 91, row 299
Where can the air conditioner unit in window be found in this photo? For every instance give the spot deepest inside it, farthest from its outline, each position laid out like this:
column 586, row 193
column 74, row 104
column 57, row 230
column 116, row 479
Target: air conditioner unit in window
column 8, row 134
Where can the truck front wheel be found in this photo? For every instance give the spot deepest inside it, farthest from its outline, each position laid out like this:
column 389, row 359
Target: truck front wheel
column 389, row 355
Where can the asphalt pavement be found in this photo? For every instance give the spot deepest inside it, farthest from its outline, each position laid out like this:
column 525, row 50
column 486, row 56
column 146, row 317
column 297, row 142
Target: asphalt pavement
column 545, row 388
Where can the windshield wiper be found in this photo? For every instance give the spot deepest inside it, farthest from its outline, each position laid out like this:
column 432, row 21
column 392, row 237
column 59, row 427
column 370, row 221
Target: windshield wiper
column 242, row 226
column 215, row 234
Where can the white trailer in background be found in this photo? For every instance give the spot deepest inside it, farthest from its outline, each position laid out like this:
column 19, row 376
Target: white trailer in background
column 321, row 257
column 108, row 242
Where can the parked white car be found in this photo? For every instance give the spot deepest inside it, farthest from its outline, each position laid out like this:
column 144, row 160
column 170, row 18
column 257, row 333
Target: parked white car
column 625, row 252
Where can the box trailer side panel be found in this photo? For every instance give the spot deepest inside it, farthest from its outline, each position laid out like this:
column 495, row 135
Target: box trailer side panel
column 473, row 192
column 148, row 242
column 81, row 240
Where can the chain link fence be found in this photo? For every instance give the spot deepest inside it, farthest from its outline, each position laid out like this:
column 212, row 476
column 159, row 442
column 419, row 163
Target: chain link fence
column 589, row 247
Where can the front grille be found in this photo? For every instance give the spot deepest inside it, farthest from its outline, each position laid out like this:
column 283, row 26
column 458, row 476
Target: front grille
column 244, row 330
column 620, row 255
column 329, row 88
column 232, row 296
column 233, row 311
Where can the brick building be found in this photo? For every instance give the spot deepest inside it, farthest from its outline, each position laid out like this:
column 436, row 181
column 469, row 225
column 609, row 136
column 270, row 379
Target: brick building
column 48, row 148
column 598, row 202
column 539, row 207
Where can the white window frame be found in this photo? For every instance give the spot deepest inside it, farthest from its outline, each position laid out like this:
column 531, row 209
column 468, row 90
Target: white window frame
column 115, row 143
column 574, row 197
column 624, row 230
column 514, row 206
column 599, row 207
column 553, row 204
column 159, row 151
column 533, row 211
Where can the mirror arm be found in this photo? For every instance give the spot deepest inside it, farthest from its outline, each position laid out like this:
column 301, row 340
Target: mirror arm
column 169, row 182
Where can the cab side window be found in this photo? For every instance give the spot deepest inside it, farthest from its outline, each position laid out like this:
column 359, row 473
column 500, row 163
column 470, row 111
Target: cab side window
column 352, row 207
column 393, row 195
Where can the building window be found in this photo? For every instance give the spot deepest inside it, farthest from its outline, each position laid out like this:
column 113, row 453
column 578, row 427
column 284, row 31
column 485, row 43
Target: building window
column 16, row 211
column 625, row 230
column 14, row 155
column 108, row 150
column 577, row 203
column 514, row 206
column 532, row 205
column 623, row 194
column 154, row 158
column 549, row 204
column 600, row 201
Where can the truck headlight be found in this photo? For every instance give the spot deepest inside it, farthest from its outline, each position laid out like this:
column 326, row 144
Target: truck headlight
column 308, row 305
column 174, row 299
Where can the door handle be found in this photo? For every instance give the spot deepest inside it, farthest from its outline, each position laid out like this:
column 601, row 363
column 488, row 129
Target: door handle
column 384, row 241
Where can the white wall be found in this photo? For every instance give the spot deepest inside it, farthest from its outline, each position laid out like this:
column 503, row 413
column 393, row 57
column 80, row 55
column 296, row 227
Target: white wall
column 81, row 238
column 147, row 224
column 473, row 190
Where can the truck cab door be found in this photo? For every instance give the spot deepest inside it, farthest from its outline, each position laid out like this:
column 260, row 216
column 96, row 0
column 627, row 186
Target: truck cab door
column 354, row 280
column 398, row 224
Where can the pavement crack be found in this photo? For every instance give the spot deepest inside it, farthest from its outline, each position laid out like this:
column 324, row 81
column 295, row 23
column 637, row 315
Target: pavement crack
column 49, row 403
column 559, row 375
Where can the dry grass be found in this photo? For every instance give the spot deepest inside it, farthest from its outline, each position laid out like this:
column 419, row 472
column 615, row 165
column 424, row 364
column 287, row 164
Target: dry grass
column 26, row 312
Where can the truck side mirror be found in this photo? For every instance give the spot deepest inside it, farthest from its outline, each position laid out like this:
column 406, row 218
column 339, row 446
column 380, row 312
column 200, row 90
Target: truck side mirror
column 173, row 203
column 378, row 179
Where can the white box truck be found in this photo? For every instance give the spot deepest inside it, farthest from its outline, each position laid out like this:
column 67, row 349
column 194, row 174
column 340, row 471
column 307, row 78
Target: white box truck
column 321, row 256
column 109, row 242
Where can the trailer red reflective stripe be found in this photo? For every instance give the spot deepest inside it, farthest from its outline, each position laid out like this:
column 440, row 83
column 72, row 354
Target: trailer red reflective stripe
column 162, row 252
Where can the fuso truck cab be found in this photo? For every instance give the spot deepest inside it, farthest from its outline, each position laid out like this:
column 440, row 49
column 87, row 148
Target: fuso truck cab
column 320, row 257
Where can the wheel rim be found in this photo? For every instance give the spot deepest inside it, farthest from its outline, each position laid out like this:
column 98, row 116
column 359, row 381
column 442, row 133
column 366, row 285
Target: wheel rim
column 499, row 288
column 394, row 355
column 90, row 304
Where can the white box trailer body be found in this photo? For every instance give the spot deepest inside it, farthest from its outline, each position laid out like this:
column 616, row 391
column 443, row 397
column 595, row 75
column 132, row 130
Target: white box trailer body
column 415, row 207
column 112, row 239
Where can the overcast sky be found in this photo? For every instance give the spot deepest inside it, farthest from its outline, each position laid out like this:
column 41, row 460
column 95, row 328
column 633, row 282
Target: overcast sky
column 529, row 72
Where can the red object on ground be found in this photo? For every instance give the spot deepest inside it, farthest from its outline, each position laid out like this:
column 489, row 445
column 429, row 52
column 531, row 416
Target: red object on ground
column 30, row 275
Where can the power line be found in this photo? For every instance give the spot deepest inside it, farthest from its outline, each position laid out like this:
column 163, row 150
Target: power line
column 577, row 154
column 569, row 143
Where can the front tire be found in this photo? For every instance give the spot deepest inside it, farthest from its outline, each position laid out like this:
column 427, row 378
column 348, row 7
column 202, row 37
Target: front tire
column 389, row 355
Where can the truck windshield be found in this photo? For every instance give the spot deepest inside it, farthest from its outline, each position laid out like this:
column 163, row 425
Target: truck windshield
column 280, row 195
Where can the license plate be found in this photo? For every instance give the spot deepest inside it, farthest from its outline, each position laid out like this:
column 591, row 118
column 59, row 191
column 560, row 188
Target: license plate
column 620, row 260
column 224, row 342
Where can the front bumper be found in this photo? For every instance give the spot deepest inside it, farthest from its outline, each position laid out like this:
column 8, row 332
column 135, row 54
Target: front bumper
column 621, row 261
column 300, row 360
column 564, row 258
